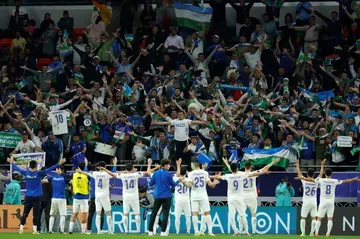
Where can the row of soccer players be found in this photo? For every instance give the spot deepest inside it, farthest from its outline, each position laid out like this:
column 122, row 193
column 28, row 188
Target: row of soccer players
column 327, row 187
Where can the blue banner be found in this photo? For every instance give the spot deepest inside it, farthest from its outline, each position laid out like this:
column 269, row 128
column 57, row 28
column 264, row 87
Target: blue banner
column 233, row 87
column 270, row 220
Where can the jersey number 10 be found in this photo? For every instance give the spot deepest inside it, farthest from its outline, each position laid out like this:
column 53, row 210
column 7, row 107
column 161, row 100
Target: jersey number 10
column 59, row 119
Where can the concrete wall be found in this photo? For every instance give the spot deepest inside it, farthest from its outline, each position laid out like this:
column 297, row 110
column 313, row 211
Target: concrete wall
column 82, row 14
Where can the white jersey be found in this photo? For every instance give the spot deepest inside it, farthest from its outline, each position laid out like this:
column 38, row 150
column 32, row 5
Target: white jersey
column 181, row 191
column 199, row 179
column 235, row 185
column 58, row 121
column 130, row 184
column 181, row 129
column 102, row 183
column 309, row 188
column 249, row 187
column 327, row 188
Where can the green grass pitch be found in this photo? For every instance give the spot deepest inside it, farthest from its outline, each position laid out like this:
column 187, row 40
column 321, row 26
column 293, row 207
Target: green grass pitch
column 94, row 236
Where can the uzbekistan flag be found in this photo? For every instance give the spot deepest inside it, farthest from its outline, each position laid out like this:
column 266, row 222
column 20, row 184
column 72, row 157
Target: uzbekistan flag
column 21, row 84
column 192, row 17
column 266, row 156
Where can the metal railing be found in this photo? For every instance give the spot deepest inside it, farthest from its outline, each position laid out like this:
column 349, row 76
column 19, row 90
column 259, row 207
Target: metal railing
column 89, row 2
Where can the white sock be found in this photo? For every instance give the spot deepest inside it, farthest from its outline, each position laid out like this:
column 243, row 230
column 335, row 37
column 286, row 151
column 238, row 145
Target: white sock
column 126, row 223
column 244, row 223
column 62, row 223
column 209, row 223
column 71, row 226
column 195, row 221
column 302, row 226
column 34, row 228
column 137, row 221
column 203, row 224
column 233, row 225
column 329, row 227
column 109, row 222
column 313, row 222
column 21, row 227
column 51, row 223
column 98, row 223
column 177, row 224
column 83, row 228
column 188, row 225
column 253, row 225
column 241, row 226
column 317, row 227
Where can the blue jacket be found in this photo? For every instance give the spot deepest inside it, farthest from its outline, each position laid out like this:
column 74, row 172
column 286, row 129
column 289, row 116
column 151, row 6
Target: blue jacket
column 283, row 195
column 163, row 181
column 33, row 180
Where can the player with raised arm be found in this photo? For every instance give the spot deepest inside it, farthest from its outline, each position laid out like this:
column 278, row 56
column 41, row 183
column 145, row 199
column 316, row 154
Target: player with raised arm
column 327, row 198
column 182, row 199
column 309, row 197
column 130, row 194
column 58, row 200
column 250, row 191
column 235, row 193
column 102, row 195
column 33, row 190
column 197, row 180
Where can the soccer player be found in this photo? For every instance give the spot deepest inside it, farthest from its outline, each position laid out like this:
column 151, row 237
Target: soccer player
column 250, row 191
column 80, row 184
column 309, row 197
column 102, row 195
column 327, row 198
column 197, row 180
column 182, row 200
column 58, row 200
column 130, row 194
column 92, row 204
column 235, row 193
column 33, row 190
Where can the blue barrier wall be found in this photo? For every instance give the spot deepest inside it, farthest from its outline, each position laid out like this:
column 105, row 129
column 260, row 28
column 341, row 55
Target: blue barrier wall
column 270, row 220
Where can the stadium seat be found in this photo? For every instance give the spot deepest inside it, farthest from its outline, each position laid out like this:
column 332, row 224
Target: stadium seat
column 6, row 41
column 43, row 61
column 77, row 32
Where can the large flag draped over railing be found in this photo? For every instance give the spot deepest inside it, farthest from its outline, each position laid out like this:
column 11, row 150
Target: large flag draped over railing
column 266, row 156
column 192, row 17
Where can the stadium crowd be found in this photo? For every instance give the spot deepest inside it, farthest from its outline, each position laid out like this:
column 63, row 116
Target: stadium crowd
column 173, row 92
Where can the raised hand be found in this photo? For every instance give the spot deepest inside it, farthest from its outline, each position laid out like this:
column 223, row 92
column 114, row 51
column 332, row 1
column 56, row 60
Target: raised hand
column 62, row 161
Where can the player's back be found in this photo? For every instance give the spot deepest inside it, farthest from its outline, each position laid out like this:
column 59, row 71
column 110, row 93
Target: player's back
column 309, row 191
column 58, row 186
column 181, row 191
column 235, row 185
column 199, row 179
column 327, row 188
column 130, row 184
column 249, row 187
column 102, row 183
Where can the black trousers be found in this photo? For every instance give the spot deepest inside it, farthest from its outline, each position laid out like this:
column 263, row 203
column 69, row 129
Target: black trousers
column 179, row 147
column 31, row 203
column 166, row 204
column 44, row 208
column 92, row 211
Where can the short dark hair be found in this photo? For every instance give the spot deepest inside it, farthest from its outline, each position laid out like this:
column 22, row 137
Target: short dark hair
column 197, row 163
column 33, row 164
column 233, row 167
column 328, row 172
column 143, row 189
column 129, row 167
column 165, row 162
column 183, row 170
column 82, row 166
column 101, row 164
column 310, row 173
column 248, row 165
